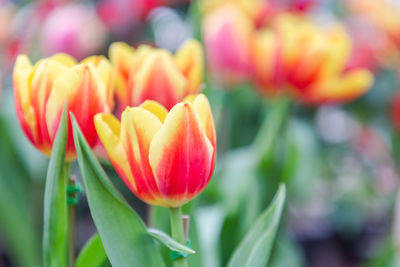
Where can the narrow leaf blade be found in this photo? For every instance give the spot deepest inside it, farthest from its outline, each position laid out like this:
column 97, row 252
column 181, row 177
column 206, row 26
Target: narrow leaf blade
column 254, row 250
column 16, row 226
column 169, row 241
column 55, row 229
column 124, row 235
column 92, row 254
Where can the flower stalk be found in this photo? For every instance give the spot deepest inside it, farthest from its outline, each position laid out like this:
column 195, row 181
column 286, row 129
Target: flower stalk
column 72, row 225
column 272, row 125
column 178, row 233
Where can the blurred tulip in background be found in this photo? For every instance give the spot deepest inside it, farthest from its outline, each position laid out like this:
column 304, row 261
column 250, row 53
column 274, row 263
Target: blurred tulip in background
column 156, row 74
column 299, row 58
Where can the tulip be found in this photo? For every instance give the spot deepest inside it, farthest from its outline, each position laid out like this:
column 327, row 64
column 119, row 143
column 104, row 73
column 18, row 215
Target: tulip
column 299, row 58
column 227, row 34
column 155, row 74
column 41, row 91
column 164, row 158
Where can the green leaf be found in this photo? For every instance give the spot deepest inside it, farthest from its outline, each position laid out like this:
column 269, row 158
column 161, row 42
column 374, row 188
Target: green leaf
column 16, row 222
column 55, row 229
column 123, row 233
column 92, row 254
column 169, row 241
column 254, row 250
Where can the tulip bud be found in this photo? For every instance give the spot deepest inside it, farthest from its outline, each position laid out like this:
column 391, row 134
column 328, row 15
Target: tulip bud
column 41, row 91
column 165, row 158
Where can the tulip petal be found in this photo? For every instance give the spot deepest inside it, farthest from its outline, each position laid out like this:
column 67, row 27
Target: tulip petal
column 181, row 155
column 108, row 128
column 203, row 109
column 121, row 56
column 32, row 89
column 141, row 55
column 189, row 59
column 266, row 59
column 85, row 93
column 339, row 89
column 64, row 59
column 45, row 74
column 106, row 73
column 154, row 107
column 351, row 85
column 189, row 98
column 339, row 47
column 138, row 127
column 22, row 95
column 159, row 79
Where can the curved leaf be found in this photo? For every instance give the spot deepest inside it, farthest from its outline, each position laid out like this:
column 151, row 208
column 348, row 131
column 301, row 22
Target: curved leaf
column 255, row 248
column 169, row 241
column 123, row 233
column 93, row 254
column 55, row 229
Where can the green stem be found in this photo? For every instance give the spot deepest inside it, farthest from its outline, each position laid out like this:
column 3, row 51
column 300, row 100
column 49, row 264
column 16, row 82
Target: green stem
column 72, row 227
column 177, row 232
column 271, row 126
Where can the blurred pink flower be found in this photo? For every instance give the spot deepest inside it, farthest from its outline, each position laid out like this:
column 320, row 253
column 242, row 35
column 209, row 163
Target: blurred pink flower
column 227, row 36
column 123, row 16
column 74, row 29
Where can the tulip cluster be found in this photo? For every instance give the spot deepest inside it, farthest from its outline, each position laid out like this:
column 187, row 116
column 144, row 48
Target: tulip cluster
column 148, row 73
column 291, row 55
column 165, row 158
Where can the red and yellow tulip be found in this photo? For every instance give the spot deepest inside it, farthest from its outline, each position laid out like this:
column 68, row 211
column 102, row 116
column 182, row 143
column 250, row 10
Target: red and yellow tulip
column 165, row 158
column 298, row 57
column 42, row 89
column 155, row 74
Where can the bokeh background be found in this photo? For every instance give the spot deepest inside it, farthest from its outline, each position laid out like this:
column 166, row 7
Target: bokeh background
column 338, row 158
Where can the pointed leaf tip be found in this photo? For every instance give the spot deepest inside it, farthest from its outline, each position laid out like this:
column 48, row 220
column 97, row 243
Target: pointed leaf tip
column 55, row 219
column 255, row 248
